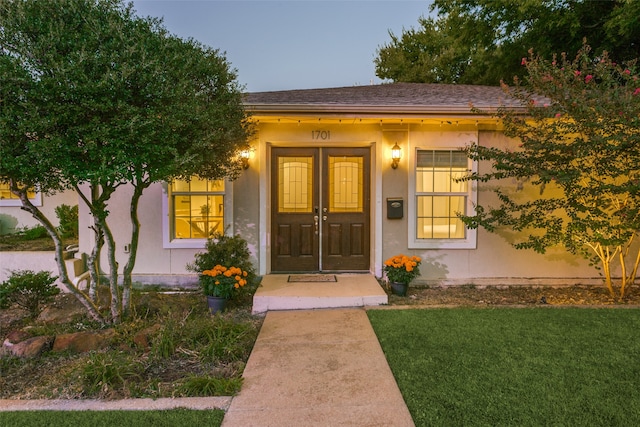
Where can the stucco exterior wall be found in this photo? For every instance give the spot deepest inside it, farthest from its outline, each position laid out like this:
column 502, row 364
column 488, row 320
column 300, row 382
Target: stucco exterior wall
column 492, row 261
column 155, row 263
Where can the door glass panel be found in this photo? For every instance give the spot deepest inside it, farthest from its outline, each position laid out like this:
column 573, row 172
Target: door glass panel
column 346, row 184
column 295, row 184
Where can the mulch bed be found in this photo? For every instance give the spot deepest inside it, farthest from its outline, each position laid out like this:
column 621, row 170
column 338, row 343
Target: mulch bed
column 596, row 296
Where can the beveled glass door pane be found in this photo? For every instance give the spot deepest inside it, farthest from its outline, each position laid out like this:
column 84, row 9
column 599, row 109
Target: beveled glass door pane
column 295, row 184
column 346, row 184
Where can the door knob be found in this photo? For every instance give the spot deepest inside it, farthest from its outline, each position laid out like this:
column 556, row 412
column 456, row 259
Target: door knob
column 324, row 217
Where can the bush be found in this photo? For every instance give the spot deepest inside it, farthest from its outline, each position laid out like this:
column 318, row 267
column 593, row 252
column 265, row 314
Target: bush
column 34, row 233
column 68, row 220
column 228, row 251
column 28, row 290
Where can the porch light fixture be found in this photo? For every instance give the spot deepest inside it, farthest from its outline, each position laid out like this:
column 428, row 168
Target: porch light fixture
column 396, row 154
column 244, row 155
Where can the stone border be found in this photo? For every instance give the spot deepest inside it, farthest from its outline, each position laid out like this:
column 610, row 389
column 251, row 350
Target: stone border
column 197, row 403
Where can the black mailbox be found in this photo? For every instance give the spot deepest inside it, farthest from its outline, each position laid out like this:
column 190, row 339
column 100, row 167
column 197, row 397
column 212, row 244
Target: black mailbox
column 395, row 208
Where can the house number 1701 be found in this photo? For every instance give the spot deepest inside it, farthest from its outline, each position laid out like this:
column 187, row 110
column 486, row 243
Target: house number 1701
column 321, row 134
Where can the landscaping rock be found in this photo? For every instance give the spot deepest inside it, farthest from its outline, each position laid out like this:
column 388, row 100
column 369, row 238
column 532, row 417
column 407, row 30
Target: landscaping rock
column 81, row 342
column 14, row 337
column 27, row 349
column 142, row 339
column 63, row 310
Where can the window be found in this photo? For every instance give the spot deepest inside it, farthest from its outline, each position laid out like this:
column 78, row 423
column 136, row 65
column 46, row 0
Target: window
column 193, row 211
column 439, row 197
column 7, row 198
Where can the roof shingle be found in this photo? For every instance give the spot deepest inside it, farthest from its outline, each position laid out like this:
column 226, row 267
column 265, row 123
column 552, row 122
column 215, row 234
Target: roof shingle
column 397, row 96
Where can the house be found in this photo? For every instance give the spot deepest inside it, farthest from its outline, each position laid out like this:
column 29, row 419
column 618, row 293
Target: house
column 340, row 179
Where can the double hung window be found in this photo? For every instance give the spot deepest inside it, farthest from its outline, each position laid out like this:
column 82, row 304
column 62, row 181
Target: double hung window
column 439, row 197
column 193, row 211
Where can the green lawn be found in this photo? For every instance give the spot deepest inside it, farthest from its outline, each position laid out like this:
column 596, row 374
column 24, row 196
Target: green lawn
column 515, row 367
column 169, row 418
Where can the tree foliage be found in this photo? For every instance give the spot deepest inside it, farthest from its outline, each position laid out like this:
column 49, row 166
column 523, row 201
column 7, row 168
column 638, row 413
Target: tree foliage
column 481, row 41
column 94, row 97
column 580, row 153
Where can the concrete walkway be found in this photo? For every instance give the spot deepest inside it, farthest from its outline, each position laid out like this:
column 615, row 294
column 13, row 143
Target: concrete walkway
column 317, row 368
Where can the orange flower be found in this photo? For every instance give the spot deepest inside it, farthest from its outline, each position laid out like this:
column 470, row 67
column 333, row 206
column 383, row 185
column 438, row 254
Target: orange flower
column 227, row 279
column 402, row 268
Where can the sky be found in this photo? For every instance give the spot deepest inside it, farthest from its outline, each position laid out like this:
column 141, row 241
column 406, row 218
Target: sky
column 295, row 44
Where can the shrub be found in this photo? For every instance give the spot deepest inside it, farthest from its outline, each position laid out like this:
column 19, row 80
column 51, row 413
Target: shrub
column 68, row 220
column 28, row 290
column 34, row 233
column 228, row 251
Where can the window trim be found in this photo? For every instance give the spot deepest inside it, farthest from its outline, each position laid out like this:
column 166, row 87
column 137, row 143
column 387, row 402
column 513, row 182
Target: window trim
column 36, row 200
column 470, row 240
column 169, row 243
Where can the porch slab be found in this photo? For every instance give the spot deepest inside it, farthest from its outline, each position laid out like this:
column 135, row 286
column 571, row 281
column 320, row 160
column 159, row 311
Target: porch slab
column 349, row 290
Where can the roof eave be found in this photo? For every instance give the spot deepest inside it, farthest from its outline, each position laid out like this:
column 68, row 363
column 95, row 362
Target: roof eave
column 370, row 109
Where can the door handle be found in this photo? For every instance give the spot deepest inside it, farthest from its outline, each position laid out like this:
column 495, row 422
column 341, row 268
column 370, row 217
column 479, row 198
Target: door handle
column 324, row 217
column 315, row 222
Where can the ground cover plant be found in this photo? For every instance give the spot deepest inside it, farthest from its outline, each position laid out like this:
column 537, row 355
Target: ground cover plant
column 185, row 351
column 508, row 366
column 168, row 418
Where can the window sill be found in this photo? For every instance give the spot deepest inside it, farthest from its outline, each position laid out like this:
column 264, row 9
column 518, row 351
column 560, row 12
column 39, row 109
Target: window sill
column 185, row 244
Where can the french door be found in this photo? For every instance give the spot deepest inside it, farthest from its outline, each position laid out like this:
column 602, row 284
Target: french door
column 320, row 209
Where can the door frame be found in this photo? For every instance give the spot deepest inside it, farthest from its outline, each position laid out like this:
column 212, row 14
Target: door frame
column 267, row 198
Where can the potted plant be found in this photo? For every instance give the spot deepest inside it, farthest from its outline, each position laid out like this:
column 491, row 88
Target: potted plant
column 220, row 284
column 400, row 271
column 224, row 269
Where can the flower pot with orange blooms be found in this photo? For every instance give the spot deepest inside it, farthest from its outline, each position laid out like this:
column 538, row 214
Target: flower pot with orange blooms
column 400, row 271
column 223, row 283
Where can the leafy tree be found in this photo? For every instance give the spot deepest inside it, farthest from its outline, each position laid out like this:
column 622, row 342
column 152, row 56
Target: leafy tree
column 481, row 41
column 577, row 167
column 97, row 98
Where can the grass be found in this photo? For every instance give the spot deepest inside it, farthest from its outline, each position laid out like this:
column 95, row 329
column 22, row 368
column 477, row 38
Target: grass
column 524, row 367
column 169, row 418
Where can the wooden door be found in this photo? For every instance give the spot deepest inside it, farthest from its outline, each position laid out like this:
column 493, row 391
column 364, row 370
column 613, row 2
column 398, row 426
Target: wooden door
column 345, row 209
column 319, row 209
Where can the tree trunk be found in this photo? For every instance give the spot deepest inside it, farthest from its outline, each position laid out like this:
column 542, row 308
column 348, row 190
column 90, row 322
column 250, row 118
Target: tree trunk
column 92, row 309
column 605, row 259
column 98, row 207
column 127, row 283
column 116, row 309
column 93, row 262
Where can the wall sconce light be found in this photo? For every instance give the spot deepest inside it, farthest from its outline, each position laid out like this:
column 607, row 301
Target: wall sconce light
column 244, row 155
column 396, row 154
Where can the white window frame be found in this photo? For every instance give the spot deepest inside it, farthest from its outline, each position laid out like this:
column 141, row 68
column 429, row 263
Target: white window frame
column 169, row 243
column 36, row 200
column 470, row 240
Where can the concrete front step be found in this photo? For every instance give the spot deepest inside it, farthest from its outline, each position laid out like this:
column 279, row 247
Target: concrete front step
column 350, row 290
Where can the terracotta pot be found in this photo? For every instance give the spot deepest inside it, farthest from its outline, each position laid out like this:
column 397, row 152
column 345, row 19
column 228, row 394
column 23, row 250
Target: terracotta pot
column 399, row 289
column 216, row 304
